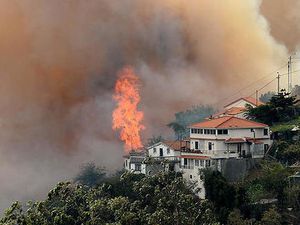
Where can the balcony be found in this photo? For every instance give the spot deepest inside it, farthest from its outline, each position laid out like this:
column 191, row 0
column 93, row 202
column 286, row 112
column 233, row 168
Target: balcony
column 162, row 159
column 190, row 167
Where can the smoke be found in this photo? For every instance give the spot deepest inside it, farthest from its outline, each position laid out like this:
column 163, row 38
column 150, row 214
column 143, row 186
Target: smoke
column 59, row 61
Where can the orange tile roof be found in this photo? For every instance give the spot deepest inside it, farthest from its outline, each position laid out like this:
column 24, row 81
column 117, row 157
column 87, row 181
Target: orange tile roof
column 228, row 122
column 229, row 112
column 247, row 99
column 176, row 145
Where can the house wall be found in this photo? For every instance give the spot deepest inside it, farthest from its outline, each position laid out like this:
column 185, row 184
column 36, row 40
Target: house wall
column 191, row 173
column 219, row 147
column 233, row 133
column 240, row 103
column 153, row 153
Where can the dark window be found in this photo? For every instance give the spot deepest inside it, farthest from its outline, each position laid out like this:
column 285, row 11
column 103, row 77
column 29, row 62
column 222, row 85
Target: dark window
column 266, row 132
column 196, row 162
column 185, row 161
column 213, row 131
column 138, row 167
column 168, row 151
column 191, row 176
column 154, row 150
column 209, row 146
column 220, row 131
column 161, row 152
column 201, row 131
column 196, row 145
column 225, row 131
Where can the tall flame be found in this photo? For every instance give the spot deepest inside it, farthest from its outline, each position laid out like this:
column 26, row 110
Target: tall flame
column 126, row 116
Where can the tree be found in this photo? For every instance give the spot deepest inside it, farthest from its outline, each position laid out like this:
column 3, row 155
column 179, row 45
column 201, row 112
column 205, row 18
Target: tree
column 162, row 199
column 235, row 218
column 281, row 107
column 222, row 194
column 267, row 96
column 90, row 175
column 189, row 116
column 271, row 217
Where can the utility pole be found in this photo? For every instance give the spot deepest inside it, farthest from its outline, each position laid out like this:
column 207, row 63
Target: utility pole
column 278, row 84
column 289, row 88
column 256, row 97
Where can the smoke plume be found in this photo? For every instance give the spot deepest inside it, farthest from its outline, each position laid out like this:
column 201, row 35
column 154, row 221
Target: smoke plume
column 59, row 62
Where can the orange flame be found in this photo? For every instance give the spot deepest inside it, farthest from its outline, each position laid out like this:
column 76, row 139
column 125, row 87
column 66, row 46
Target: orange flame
column 126, row 117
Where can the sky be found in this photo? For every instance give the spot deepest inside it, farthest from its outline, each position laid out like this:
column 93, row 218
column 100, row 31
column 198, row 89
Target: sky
column 59, row 62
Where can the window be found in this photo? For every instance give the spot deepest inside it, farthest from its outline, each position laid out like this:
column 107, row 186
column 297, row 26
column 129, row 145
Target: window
column 201, row 131
column 196, row 162
column 266, row 132
column 210, row 145
column 207, row 163
column 168, row 151
column 154, row 150
column 138, row 167
column 184, row 161
column 201, row 163
column 191, row 176
column 220, row 132
column 213, row 131
column 161, row 152
column 196, row 145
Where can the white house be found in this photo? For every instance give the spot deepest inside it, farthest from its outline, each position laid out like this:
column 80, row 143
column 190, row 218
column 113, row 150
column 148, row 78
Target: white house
column 237, row 108
column 218, row 139
column 134, row 162
column 166, row 152
column 242, row 102
column 229, row 136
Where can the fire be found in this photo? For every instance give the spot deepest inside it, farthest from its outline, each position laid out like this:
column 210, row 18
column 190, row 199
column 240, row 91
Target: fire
column 126, row 116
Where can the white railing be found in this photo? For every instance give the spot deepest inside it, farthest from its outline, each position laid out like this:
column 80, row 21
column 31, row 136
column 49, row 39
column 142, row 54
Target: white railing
column 190, row 167
column 161, row 158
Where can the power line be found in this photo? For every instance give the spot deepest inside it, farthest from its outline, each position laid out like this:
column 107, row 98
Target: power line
column 249, row 85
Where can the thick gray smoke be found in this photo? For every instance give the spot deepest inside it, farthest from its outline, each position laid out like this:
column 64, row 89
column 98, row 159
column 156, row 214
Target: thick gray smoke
column 58, row 65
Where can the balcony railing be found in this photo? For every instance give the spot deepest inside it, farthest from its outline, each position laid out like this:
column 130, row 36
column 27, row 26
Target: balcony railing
column 191, row 167
column 164, row 158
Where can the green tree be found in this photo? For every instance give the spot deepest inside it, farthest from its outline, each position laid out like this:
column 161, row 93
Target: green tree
column 189, row 116
column 162, row 199
column 281, row 107
column 235, row 218
column 271, row 217
column 222, row 194
column 267, row 96
column 90, row 175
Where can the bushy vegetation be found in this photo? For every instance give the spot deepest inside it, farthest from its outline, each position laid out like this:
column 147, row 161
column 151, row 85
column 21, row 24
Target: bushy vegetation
column 132, row 199
column 267, row 96
column 263, row 197
column 282, row 107
column 189, row 116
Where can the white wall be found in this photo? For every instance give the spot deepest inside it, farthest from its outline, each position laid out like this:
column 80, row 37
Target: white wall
column 240, row 103
column 192, row 175
column 152, row 153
